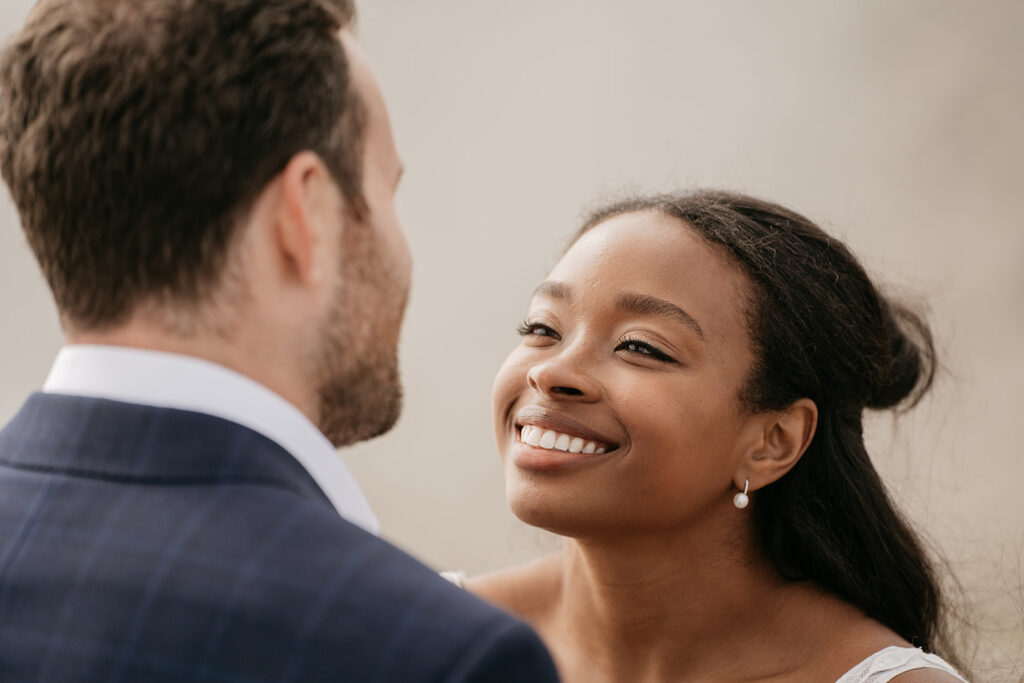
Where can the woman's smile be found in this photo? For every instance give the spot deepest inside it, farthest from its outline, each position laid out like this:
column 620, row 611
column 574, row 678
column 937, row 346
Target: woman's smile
column 546, row 439
column 563, row 452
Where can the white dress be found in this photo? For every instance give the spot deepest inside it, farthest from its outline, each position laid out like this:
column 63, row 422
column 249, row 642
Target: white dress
column 880, row 667
column 886, row 664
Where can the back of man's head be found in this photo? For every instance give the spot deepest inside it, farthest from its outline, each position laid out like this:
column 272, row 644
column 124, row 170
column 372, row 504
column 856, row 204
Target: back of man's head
column 135, row 134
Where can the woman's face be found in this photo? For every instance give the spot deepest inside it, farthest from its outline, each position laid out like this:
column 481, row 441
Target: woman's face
column 620, row 409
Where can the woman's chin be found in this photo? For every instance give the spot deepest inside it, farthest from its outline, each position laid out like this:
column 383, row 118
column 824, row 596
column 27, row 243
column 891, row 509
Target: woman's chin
column 556, row 511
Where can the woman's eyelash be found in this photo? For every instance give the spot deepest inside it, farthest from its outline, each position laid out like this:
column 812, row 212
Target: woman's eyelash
column 642, row 348
column 630, row 344
column 527, row 328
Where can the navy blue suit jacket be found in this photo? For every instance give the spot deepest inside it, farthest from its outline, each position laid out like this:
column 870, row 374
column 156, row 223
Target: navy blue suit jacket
column 150, row 544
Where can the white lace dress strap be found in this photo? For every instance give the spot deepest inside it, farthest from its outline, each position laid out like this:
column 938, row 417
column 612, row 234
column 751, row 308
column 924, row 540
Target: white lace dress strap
column 886, row 664
column 456, row 577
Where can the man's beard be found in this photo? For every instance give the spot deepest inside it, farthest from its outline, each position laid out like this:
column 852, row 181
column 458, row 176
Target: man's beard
column 356, row 366
column 360, row 399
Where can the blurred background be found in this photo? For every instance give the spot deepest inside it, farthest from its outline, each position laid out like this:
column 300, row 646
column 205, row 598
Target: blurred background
column 897, row 126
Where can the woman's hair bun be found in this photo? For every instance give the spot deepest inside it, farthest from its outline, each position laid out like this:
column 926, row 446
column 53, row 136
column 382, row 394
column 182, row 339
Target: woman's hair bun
column 910, row 369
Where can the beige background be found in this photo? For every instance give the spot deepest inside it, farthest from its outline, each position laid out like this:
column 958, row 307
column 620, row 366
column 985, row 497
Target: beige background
column 898, row 125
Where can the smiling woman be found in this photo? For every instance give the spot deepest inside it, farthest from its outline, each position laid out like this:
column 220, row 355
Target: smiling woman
column 685, row 409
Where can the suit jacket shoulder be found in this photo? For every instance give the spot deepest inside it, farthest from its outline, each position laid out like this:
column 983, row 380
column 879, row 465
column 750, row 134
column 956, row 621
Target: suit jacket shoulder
column 149, row 544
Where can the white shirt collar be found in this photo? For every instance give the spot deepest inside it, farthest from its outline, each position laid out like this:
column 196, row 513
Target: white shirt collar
column 170, row 380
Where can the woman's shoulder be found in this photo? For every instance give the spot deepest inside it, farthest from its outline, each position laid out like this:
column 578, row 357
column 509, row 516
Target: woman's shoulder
column 527, row 590
column 848, row 646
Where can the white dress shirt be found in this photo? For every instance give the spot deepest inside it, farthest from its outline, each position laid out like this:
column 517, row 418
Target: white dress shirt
column 170, row 380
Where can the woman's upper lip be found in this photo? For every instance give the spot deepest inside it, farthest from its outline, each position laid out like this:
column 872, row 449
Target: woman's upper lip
column 554, row 420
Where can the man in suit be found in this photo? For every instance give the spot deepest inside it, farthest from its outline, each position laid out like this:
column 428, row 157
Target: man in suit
column 208, row 186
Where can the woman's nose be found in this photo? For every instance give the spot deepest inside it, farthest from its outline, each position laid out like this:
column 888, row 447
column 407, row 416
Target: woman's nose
column 563, row 377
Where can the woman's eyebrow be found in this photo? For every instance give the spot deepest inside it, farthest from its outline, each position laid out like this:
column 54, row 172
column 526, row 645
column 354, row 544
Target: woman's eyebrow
column 649, row 305
column 553, row 290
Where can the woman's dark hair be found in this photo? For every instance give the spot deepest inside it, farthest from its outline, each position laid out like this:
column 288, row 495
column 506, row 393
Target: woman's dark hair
column 821, row 330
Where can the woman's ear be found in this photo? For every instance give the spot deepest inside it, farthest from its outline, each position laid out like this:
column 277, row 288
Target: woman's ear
column 785, row 437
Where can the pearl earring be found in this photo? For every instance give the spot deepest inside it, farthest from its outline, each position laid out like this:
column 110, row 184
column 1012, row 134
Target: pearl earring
column 741, row 500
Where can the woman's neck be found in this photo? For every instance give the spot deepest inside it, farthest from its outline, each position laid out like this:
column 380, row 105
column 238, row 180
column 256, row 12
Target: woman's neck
column 674, row 605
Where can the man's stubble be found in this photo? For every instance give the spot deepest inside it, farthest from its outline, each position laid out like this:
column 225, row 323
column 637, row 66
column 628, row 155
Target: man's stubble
column 360, row 390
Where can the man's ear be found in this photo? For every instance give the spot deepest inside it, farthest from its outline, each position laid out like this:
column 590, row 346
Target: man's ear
column 306, row 218
column 785, row 437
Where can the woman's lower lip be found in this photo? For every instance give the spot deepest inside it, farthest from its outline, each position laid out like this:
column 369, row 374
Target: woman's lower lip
column 530, row 457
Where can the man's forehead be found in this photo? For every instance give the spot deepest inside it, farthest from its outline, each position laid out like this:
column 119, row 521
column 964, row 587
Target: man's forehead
column 358, row 64
column 346, row 11
column 365, row 85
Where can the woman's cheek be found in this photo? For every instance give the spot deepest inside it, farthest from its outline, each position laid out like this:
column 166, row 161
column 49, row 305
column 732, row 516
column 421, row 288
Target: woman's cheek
column 511, row 376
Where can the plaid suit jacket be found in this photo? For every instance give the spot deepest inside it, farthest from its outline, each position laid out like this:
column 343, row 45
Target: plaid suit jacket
column 151, row 544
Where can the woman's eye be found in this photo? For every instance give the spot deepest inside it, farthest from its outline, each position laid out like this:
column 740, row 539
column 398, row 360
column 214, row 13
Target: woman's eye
column 528, row 329
column 642, row 348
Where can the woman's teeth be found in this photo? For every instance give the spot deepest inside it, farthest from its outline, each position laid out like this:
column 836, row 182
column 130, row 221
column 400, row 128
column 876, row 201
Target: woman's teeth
column 552, row 440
